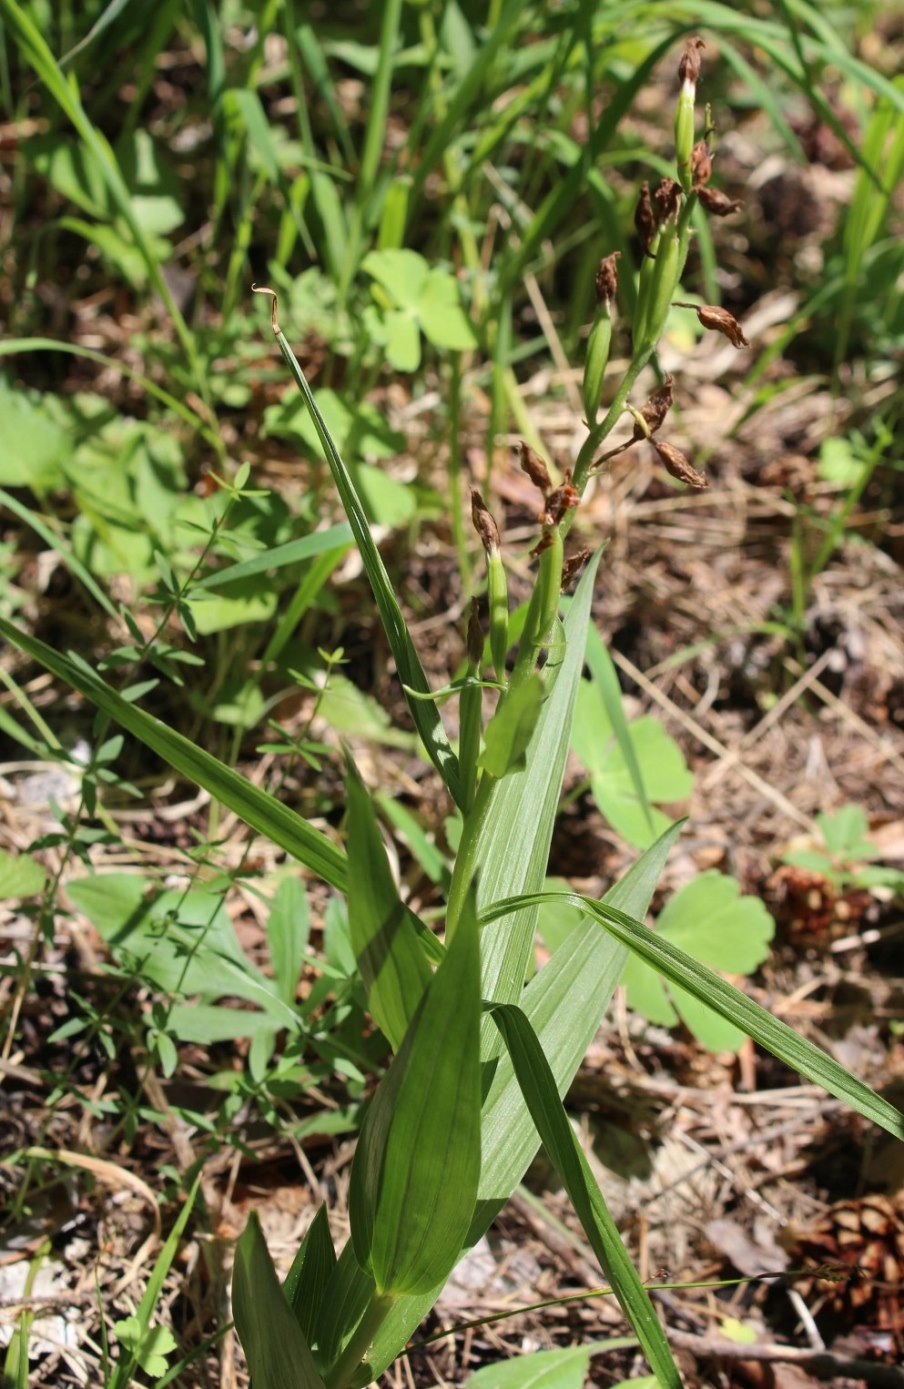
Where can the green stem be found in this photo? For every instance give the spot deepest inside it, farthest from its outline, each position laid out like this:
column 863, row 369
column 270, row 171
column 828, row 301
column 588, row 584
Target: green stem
column 375, row 1314
column 466, row 858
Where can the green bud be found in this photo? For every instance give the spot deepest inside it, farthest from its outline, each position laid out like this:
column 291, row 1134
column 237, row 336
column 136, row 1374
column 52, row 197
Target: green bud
column 684, row 135
column 596, row 361
column 663, row 282
column 497, row 593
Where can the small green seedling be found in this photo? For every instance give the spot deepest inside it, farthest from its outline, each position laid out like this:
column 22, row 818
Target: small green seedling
column 845, row 857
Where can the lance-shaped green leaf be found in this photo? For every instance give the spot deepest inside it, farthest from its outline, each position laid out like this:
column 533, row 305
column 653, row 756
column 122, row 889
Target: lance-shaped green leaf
column 417, row 1164
column 538, row 1086
column 277, row 1353
column 384, row 931
column 512, row 847
column 257, row 808
column 730, row 1003
column 425, row 714
column 511, row 728
column 564, row 1002
column 310, row 1273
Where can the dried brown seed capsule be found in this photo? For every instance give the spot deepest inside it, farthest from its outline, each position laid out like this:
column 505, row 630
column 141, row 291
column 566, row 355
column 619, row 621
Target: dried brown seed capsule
column 655, row 410
column 644, row 217
column 484, row 524
column 715, row 201
column 535, row 468
column 667, row 198
column 560, row 501
column 711, row 316
column 691, row 62
column 475, row 635
column 572, row 568
column 607, row 278
column 701, row 164
column 678, row 465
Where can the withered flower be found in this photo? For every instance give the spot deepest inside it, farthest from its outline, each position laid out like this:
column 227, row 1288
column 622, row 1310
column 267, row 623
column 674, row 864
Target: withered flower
column 667, row 198
column 560, row 501
column 644, row 217
column 655, row 410
column 701, row 164
column 484, row 524
column 535, row 468
column 475, row 635
column 691, row 62
column 572, row 567
column 711, row 316
column 607, row 278
column 678, row 465
column 543, row 543
column 715, row 201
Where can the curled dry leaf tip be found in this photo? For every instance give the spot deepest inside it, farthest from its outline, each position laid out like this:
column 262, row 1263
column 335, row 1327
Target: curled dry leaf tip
column 274, row 304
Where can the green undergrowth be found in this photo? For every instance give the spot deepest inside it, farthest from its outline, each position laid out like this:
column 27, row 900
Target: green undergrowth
column 228, row 523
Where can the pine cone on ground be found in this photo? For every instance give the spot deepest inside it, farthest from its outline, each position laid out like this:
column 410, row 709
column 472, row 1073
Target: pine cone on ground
column 858, row 1248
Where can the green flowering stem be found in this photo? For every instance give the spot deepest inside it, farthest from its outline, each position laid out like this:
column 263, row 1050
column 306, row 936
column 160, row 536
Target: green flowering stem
column 542, row 609
column 497, row 596
column 375, row 1313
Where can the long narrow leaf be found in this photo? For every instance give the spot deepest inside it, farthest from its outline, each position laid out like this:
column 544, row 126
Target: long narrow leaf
column 513, row 845
column 384, row 935
column 311, row 1270
column 261, row 811
column 538, row 1086
column 411, row 673
column 730, row 1003
column 275, row 1347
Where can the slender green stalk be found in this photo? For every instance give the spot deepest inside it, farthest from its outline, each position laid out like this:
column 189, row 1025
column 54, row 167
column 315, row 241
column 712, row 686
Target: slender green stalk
column 376, row 1312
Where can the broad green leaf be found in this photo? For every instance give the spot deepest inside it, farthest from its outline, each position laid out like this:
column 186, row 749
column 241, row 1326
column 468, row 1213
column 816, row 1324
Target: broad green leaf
column 32, row 444
column 605, row 678
column 658, row 761
column 546, row 1369
column 357, row 714
column 182, row 942
column 411, row 673
column 538, row 1086
column 730, row 1003
column 261, row 811
column 415, row 1172
column 511, row 728
column 390, row 502
column 310, row 1273
column 845, row 832
column 402, row 340
column 403, row 273
column 392, row 963
column 275, row 1347
column 441, row 315
column 711, row 921
column 20, row 875
column 149, row 1346
column 215, row 612
column 288, row 930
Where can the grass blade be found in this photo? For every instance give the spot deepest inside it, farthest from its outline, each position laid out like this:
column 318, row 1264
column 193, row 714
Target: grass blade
column 261, row 811
column 805, row 1058
column 391, row 961
column 538, row 1086
column 410, row 671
